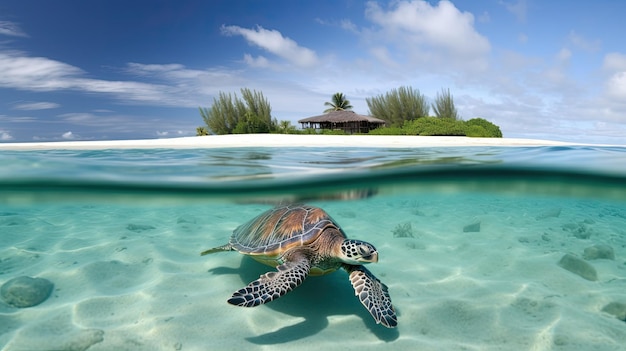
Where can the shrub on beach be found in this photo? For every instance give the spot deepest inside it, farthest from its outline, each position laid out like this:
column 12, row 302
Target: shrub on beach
column 333, row 132
column 434, row 126
column 490, row 130
column 475, row 131
column 201, row 131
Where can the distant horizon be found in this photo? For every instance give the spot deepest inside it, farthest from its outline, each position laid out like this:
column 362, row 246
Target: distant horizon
column 117, row 70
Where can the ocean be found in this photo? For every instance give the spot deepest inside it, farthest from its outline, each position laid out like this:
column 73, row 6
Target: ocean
column 481, row 247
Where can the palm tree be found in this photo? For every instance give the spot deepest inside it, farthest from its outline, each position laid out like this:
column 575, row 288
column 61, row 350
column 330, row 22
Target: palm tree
column 339, row 103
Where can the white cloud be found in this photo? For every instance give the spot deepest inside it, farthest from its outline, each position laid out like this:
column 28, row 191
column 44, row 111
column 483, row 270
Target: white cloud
column 523, row 38
column 5, row 136
column 582, row 43
column 383, row 55
column 439, row 34
column 35, row 73
column 139, row 68
column 274, row 42
column 23, row 72
column 82, row 118
column 174, row 133
column 616, row 86
column 484, row 17
column 564, row 55
column 68, row 135
column 614, row 64
column 11, row 29
column 519, row 9
column 349, row 26
column 614, row 61
column 258, row 61
column 42, row 74
column 33, row 106
column 18, row 119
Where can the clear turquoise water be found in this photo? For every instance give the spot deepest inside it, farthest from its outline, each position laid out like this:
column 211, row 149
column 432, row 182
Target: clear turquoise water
column 119, row 233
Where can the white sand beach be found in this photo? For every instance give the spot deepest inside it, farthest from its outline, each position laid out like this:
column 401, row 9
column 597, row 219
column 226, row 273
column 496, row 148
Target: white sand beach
column 284, row 140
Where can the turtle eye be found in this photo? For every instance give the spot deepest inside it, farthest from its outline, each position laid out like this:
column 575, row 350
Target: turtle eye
column 364, row 250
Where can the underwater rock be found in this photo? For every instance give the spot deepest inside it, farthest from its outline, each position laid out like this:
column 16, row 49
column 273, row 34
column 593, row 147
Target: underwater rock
column 598, row 252
column 579, row 230
column 138, row 228
column 579, row 267
column 25, row 291
column 472, row 227
column 403, row 230
column 553, row 212
column 616, row 309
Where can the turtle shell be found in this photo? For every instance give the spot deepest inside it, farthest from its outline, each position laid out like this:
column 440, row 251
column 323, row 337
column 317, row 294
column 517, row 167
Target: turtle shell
column 274, row 231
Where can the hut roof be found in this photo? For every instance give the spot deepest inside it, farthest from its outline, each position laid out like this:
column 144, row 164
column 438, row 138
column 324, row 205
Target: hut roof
column 341, row 116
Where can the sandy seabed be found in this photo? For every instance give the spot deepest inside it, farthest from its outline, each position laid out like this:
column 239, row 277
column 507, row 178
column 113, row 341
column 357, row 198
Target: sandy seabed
column 131, row 278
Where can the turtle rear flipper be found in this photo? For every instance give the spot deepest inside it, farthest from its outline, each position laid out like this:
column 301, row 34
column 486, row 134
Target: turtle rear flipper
column 272, row 285
column 227, row 247
column 373, row 295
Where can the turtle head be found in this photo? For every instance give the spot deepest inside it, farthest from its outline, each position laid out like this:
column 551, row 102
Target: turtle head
column 358, row 252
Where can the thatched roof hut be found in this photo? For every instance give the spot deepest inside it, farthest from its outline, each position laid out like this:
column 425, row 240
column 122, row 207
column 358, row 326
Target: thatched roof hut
column 348, row 121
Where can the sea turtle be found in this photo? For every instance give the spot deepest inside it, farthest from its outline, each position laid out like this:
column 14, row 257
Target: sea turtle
column 300, row 240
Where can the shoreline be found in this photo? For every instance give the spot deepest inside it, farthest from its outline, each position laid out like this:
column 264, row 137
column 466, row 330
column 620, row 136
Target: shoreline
column 286, row 140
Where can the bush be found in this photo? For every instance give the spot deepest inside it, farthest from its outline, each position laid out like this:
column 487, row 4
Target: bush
column 475, row 131
column 308, row 131
column 201, row 131
column 433, row 126
column 490, row 130
column 333, row 132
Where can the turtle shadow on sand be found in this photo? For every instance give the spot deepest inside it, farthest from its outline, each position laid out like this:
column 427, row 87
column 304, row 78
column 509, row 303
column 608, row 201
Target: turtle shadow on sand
column 315, row 300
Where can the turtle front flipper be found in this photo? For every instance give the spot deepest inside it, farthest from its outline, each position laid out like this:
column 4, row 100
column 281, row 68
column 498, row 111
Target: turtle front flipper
column 273, row 285
column 373, row 295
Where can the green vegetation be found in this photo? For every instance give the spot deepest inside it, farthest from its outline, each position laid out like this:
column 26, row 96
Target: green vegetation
column 477, row 127
column 230, row 114
column 285, row 127
column 338, row 103
column 200, row 131
column 443, row 106
column 399, row 105
column 434, row 126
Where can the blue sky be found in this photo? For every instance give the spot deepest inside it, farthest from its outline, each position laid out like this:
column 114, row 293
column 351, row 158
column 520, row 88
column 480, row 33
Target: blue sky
column 117, row 69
